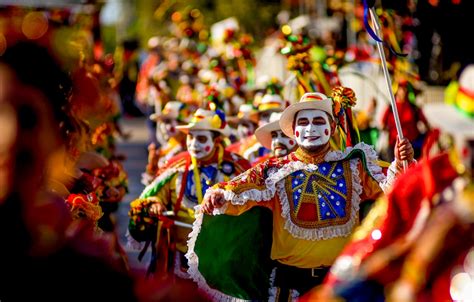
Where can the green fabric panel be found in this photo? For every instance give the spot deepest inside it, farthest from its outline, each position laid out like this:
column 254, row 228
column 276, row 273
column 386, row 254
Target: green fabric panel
column 234, row 253
column 154, row 190
column 358, row 153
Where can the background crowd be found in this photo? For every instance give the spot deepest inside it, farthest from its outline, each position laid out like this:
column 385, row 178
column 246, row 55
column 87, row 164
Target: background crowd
column 73, row 74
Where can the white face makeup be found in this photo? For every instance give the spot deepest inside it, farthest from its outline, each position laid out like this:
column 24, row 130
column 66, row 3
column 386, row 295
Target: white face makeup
column 167, row 129
column 281, row 144
column 245, row 129
column 200, row 143
column 312, row 128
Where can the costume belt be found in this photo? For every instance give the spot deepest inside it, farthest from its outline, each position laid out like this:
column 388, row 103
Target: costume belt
column 301, row 279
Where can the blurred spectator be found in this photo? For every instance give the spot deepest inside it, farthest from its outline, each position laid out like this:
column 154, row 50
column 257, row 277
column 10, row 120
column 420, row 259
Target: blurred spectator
column 410, row 118
column 53, row 257
column 129, row 76
column 144, row 94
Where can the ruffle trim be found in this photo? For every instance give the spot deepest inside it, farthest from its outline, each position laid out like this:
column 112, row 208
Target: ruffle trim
column 275, row 175
column 193, row 263
column 166, row 174
column 370, row 155
column 272, row 290
column 177, row 267
column 387, row 184
column 323, row 233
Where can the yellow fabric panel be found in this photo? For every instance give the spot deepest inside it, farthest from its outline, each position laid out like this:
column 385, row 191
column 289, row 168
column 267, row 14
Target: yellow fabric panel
column 300, row 252
column 370, row 187
column 236, row 210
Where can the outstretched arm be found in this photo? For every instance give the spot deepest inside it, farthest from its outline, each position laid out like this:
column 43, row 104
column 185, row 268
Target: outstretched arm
column 239, row 194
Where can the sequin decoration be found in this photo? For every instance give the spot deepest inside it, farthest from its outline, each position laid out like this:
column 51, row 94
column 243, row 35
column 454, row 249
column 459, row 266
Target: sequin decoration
column 322, row 197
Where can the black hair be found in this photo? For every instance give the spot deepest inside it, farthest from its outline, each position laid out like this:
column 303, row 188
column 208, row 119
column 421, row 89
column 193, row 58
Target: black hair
column 35, row 66
column 215, row 134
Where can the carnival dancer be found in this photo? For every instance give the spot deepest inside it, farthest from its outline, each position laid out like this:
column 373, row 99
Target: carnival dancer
column 314, row 195
column 181, row 184
column 270, row 102
column 172, row 141
column 246, row 122
column 271, row 137
column 410, row 117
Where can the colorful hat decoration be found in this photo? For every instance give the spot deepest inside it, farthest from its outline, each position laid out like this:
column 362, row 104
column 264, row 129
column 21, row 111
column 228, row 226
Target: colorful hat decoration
column 343, row 100
column 212, row 98
column 271, row 102
column 207, row 120
column 272, row 99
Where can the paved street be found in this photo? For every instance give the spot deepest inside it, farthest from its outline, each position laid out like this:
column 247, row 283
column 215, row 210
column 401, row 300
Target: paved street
column 136, row 158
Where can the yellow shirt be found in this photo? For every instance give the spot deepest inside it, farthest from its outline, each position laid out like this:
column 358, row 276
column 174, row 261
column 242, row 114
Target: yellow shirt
column 288, row 247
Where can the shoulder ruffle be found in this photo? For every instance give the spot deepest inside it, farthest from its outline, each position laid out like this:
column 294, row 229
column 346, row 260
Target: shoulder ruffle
column 369, row 160
column 278, row 168
column 276, row 171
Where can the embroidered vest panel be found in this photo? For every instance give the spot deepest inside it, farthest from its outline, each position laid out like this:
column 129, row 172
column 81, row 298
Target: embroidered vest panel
column 322, row 197
column 208, row 176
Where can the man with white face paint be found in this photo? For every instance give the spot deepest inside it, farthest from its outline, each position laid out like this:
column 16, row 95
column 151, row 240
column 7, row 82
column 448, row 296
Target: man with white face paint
column 182, row 182
column 246, row 121
column 271, row 102
column 312, row 129
column 314, row 194
column 172, row 141
column 271, row 137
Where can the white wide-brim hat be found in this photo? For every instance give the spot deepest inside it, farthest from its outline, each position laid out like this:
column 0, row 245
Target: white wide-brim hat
column 271, row 102
column 309, row 101
column 264, row 133
column 449, row 119
column 206, row 120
